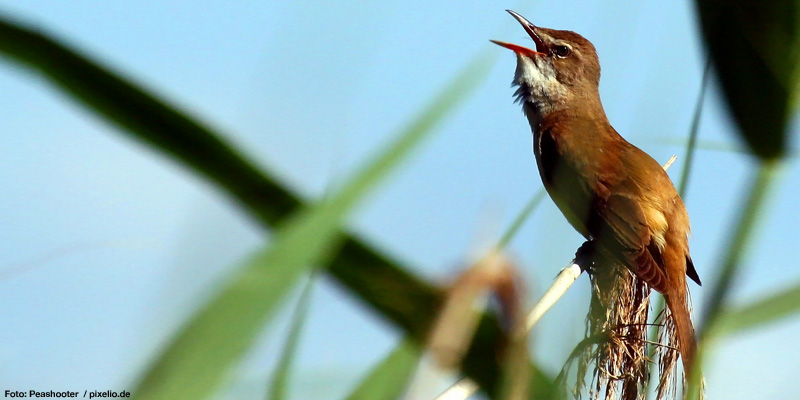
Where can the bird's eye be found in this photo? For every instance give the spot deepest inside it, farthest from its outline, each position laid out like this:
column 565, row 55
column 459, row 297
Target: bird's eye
column 562, row 51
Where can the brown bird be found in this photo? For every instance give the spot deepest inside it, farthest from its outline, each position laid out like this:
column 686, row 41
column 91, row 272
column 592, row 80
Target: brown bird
column 618, row 197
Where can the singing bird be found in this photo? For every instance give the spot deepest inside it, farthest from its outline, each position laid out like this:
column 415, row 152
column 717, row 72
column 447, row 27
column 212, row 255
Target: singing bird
column 618, row 197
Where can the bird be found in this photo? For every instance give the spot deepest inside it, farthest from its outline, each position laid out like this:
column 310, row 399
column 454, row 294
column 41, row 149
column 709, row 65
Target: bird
column 614, row 194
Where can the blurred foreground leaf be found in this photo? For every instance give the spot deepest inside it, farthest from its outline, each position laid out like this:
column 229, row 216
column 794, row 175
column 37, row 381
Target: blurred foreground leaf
column 195, row 363
column 755, row 48
column 388, row 379
column 760, row 313
column 280, row 378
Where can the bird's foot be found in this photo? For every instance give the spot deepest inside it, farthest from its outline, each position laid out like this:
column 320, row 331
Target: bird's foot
column 585, row 255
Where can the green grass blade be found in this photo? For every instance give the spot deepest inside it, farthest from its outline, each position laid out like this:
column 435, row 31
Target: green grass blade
column 195, row 363
column 197, row 360
column 710, row 145
column 280, row 379
column 389, row 379
column 761, row 313
column 691, row 145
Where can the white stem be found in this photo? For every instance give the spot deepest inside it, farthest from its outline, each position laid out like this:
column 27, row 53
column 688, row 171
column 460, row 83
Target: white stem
column 670, row 161
column 459, row 391
column 563, row 281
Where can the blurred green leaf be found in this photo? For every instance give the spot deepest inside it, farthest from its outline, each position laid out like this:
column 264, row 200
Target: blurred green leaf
column 710, row 145
column 195, row 363
column 761, row 313
column 694, row 130
column 388, row 380
column 755, row 48
column 377, row 279
column 542, row 386
column 277, row 388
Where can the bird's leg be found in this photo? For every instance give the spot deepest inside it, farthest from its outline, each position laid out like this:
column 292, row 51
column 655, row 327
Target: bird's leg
column 585, row 256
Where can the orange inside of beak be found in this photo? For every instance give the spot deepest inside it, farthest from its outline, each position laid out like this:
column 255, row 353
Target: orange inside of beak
column 518, row 49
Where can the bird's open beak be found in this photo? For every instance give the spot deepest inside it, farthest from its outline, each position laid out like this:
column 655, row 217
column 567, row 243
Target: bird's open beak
column 541, row 49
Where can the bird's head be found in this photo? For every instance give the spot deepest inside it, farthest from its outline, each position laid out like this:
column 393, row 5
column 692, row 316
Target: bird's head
column 563, row 68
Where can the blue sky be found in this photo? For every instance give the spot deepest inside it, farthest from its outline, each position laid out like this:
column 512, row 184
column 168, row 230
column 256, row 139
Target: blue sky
column 107, row 246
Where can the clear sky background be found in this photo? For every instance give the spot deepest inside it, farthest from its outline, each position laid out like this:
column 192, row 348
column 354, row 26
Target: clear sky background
column 106, row 247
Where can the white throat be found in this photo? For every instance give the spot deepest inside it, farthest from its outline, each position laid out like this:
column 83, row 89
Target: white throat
column 538, row 86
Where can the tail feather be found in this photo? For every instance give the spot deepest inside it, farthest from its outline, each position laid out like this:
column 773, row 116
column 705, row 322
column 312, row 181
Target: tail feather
column 687, row 343
column 691, row 272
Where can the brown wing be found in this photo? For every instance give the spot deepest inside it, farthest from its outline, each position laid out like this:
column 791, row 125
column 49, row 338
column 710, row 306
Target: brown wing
column 615, row 221
column 621, row 228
